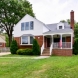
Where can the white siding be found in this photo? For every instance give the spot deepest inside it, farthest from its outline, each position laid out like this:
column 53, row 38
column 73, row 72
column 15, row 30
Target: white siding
column 38, row 27
column 45, row 29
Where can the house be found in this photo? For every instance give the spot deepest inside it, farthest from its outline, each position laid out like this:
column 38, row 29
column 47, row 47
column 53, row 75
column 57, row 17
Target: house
column 2, row 41
column 54, row 39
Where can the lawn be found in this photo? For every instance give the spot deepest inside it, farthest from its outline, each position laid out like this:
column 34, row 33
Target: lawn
column 53, row 67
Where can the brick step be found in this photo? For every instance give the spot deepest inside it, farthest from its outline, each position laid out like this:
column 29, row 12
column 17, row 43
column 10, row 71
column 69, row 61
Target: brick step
column 45, row 54
column 46, row 50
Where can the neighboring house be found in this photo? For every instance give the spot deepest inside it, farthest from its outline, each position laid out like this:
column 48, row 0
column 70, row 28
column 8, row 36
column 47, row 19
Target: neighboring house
column 56, row 39
column 2, row 41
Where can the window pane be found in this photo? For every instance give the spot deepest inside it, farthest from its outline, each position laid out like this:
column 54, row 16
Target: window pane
column 63, row 39
column 22, row 26
column 27, row 26
column 31, row 25
column 31, row 40
column 60, row 27
column 24, row 40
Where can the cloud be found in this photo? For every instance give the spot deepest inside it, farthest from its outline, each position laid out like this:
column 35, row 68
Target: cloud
column 51, row 11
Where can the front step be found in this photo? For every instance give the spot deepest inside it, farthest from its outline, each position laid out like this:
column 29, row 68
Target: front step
column 46, row 52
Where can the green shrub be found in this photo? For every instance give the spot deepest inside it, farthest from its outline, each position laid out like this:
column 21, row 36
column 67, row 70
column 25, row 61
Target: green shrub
column 13, row 47
column 24, row 51
column 75, row 47
column 20, row 51
column 35, row 48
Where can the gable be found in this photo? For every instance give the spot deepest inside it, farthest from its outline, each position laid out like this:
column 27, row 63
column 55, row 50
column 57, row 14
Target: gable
column 38, row 27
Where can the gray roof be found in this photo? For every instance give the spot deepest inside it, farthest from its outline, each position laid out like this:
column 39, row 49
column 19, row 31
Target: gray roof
column 59, row 31
column 53, row 27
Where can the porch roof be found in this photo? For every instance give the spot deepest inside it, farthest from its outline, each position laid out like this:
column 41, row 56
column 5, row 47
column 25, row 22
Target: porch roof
column 59, row 31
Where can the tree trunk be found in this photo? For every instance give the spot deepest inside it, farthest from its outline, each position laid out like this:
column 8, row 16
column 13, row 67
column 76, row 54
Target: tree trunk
column 10, row 39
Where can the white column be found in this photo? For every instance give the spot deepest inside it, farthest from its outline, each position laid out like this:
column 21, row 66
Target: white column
column 61, row 39
column 71, row 40
column 43, row 39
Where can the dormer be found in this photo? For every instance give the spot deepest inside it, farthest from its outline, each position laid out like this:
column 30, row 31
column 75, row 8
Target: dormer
column 60, row 25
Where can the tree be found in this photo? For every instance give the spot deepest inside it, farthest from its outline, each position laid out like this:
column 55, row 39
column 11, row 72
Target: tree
column 14, row 47
column 35, row 48
column 75, row 47
column 11, row 11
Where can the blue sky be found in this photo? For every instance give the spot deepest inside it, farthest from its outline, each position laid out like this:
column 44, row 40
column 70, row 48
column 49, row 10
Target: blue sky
column 52, row 11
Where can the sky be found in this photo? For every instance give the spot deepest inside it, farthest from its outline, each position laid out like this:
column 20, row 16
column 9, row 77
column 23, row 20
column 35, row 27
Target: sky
column 52, row 11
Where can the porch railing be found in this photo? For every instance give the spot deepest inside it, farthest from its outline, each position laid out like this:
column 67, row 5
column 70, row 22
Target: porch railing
column 64, row 45
column 42, row 48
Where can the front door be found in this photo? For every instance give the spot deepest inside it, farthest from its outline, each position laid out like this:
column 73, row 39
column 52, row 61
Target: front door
column 48, row 42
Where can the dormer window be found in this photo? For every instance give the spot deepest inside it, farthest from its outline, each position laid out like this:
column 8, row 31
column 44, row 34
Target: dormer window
column 60, row 27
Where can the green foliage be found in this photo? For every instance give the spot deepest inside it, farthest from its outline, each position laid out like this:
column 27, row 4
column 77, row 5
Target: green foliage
column 75, row 47
column 14, row 47
column 11, row 11
column 26, row 51
column 76, row 30
column 35, row 48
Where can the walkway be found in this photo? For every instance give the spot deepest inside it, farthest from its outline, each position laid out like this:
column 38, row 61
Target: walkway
column 4, row 53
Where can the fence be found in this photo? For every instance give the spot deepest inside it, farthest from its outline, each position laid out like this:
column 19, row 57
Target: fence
column 4, row 49
column 64, row 45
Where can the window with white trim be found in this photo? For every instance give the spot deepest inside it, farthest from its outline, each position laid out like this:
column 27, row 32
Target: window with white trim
column 27, row 40
column 60, row 27
column 27, row 26
column 24, row 40
column 31, row 25
column 22, row 26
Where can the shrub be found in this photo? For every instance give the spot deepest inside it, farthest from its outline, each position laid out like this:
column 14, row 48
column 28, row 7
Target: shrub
column 13, row 47
column 20, row 51
column 75, row 47
column 24, row 51
column 35, row 48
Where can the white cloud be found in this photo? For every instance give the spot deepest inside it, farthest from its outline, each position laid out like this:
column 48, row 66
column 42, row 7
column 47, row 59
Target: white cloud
column 51, row 11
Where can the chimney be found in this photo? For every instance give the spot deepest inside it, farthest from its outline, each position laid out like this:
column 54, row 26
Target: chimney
column 72, row 19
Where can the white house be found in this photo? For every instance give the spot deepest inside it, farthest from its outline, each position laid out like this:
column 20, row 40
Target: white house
column 54, row 38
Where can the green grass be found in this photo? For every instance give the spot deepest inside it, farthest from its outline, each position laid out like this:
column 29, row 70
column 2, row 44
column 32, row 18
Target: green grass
column 53, row 67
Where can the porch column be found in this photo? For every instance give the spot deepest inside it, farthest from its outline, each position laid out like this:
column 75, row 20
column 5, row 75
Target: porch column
column 43, row 41
column 71, row 40
column 61, row 41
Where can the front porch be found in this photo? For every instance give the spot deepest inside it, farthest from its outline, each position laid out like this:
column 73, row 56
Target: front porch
column 58, row 44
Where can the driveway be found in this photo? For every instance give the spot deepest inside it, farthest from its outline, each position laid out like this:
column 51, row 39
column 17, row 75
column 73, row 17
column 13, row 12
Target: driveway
column 4, row 53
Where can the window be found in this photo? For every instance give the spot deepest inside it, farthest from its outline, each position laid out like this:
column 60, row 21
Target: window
column 31, row 40
column 27, row 40
column 31, row 25
column 60, row 27
column 0, row 44
column 24, row 40
column 26, row 25
column 63, row 39
column 22, row 26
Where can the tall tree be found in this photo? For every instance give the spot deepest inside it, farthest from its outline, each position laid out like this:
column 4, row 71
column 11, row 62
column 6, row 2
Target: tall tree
column 11, row 11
